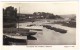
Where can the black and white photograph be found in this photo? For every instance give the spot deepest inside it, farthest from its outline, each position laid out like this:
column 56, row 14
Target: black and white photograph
column 39, row 23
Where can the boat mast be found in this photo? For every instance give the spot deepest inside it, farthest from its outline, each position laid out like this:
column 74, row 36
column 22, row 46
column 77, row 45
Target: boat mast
column 18, row 18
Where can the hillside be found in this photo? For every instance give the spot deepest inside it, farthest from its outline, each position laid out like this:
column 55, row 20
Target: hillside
column 69, row 16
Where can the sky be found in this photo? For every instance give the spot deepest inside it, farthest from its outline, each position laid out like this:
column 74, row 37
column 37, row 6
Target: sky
column 58, row 8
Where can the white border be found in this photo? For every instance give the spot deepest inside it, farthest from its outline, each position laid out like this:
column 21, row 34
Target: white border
column 32, row 47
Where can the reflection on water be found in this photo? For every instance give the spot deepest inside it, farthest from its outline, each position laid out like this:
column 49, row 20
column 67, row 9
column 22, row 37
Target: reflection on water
column 29, row 37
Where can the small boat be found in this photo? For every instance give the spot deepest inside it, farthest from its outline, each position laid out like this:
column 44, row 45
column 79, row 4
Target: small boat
column 33, row 28
column 14, row 40
column 16, row 37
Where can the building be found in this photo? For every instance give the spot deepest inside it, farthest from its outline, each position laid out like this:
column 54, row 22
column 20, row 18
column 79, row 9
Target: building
column 9, row 17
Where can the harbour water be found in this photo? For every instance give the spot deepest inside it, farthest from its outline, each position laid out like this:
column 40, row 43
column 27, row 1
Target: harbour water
column 51, row 37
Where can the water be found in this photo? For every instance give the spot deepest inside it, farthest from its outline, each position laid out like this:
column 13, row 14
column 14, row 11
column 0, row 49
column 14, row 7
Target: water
column 50, row 37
